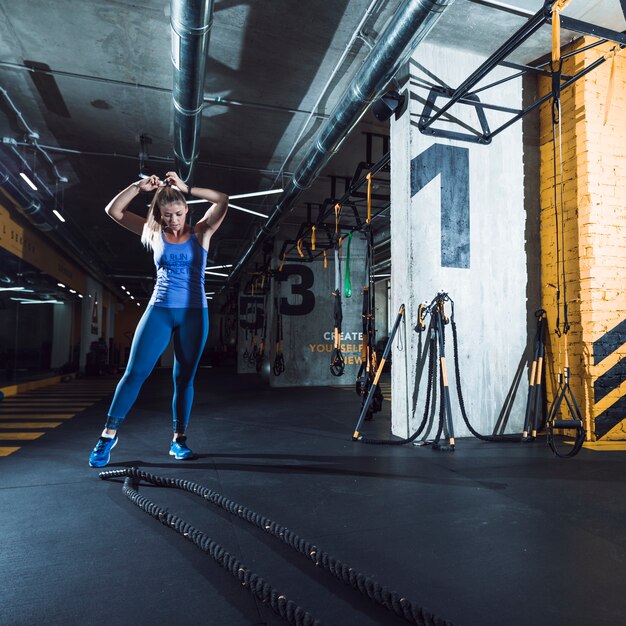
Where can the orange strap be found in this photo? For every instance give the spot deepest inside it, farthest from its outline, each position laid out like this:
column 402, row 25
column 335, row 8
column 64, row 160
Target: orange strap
column 609, row 94
column 299, row 248
column 312, row 237
column 369, row 197
column 557, row 7
column 325, row 260
column 337, row 213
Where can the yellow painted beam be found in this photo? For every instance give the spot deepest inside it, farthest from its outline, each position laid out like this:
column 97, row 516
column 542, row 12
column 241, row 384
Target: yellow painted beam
column 4, row 424
column 5, row 436
column 6, row 450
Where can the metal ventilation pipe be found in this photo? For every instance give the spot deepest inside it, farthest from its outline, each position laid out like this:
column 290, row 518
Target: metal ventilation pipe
column 191, row 22
column 406, row 29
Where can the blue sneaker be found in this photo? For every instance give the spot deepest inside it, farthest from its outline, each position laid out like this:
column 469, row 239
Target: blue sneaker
column 179, row 449
column 101, row 454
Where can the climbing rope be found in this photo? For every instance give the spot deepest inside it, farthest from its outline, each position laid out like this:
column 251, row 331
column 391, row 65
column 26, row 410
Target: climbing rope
column 288, row 610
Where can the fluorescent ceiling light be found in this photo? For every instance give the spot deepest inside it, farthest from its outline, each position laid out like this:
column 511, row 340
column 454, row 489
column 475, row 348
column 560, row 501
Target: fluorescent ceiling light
column 216, row 273
column 29, row 182
column 59, row 216
column 22, row 289
column 256, row 193
column 27, row 301
column 240, row 208
column 60, row 285
column 218, row 267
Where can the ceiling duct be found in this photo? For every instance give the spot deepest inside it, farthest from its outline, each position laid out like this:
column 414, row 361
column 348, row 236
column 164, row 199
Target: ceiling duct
column 191, row 23
column 412, row 21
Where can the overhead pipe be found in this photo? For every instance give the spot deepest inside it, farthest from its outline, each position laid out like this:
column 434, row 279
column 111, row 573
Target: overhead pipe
column 191, row 23
column 412, row 21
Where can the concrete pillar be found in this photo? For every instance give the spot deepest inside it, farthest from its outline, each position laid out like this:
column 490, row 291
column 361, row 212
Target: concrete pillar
column 458, row 224
column 593, row 137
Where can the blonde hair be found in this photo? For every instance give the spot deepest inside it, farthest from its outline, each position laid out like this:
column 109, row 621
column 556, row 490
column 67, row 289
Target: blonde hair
column 152, row 229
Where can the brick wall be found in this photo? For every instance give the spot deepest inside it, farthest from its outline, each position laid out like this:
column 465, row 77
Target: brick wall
column 593, row 140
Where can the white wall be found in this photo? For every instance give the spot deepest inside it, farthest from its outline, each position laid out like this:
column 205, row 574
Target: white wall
column 486, row 280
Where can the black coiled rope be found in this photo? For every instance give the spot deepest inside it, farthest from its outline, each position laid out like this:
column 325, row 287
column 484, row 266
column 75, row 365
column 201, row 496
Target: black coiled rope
column 287, row 609
column 457, row 373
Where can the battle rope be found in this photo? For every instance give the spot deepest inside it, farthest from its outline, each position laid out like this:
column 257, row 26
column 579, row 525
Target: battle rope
column 435, row 350
column 288, row 610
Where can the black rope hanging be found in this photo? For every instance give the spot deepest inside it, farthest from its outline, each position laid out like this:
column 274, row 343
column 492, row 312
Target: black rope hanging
column 367, row 370
column 337, row 363
column 434, row 350
column 288, row 610
column 279, row 360
column 564, row 391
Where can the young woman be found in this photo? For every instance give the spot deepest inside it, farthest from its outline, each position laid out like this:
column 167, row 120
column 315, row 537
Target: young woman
column 177, row 308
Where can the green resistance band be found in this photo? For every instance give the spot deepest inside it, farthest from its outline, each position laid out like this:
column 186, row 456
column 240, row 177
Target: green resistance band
column 347, row 283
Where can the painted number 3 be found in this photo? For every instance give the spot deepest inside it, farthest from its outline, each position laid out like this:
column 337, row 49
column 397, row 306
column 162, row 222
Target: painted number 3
column 300, row 291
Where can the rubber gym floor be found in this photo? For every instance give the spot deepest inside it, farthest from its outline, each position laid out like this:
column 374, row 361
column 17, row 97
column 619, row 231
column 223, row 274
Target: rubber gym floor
column 491, row 534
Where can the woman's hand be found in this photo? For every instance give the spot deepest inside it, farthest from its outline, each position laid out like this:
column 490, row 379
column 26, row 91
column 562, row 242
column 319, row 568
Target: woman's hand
column 148, row 184
column 172, row 178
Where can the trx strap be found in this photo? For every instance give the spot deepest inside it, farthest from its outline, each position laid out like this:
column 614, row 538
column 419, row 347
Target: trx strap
column 337, row 364
column 287, row 609
column 347, row 290
column 313, row 237
column 374, row 386
column 576, row 424
column 369, row 197
column 564, row 391
column 279, row 359
column 258, row 364
column 367, row 368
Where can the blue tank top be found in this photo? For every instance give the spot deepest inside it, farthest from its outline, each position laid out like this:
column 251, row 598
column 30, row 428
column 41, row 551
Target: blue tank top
column 180, row 275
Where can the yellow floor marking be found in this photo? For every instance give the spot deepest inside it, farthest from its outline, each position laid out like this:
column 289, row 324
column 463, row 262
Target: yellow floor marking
column 39, row 402
column 17, row 436
column 30, row 416
column 6, row 450
column 606, row 446
column 4, row 424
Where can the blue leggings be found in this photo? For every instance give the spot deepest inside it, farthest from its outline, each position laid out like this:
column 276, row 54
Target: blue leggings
column 190, row 328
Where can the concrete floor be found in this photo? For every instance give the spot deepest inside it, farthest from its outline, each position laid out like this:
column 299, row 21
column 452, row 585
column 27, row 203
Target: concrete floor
column 491, row 534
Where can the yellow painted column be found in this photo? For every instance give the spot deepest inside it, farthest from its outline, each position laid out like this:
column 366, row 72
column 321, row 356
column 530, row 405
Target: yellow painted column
column 593, row 139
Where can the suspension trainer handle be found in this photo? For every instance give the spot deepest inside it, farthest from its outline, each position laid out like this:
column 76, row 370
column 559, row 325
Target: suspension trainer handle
column 381, row 365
